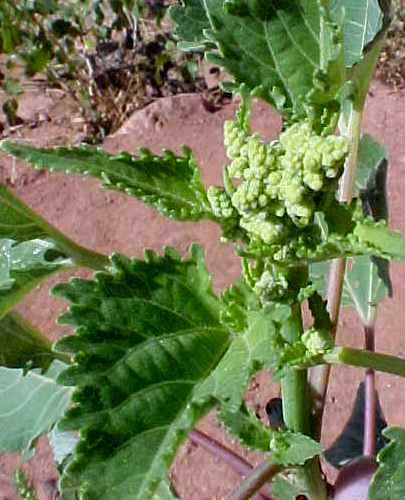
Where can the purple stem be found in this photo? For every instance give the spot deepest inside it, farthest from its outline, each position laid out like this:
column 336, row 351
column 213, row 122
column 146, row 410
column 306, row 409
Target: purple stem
column 370, row 406
column 236, row 462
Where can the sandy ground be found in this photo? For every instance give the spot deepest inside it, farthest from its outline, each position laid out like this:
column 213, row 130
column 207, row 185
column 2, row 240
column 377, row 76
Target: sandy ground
column 110, row 222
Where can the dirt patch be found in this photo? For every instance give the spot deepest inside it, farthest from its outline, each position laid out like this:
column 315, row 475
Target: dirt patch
column 391, row 65
column 114, row 222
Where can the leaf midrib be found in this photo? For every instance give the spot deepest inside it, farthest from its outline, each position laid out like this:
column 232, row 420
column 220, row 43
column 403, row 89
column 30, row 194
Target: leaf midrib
column 158, row 339
column 107, row 166
column 157, row 456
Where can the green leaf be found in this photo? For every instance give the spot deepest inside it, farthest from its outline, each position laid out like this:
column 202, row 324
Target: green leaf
column 282, row 489
column 12, row 87
column 292, row 448
column 24, row 486
column 31, row 404
column 286, row 448
column 31, row 250
column 250, row 431
column 23, row 266
column 292, row 484
column 365, row 24
column 165, row 491
column 363, row 20
column 21, row 345
column 37, row 59
column 367, row 280
column 190, row 21
column 272, row 47
column 172, row 184
column 389, row 480
column 147, row 336
column 370, row 176
column 249, row 352
column 383, row 241
column 62, row 444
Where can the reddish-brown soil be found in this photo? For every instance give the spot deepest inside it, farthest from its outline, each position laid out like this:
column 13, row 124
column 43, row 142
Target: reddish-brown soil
column 110, row 222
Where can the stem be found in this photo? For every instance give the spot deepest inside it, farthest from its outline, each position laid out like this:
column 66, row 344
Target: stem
column 370, row 407
column 83, row 257
column 237, row 463
column 365, row 359
column 297, row 410
column 255, row 480
column 319, row 376
column 294, row 386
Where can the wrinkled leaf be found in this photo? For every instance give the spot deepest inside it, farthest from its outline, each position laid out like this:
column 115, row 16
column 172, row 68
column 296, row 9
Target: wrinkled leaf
column 349, row 444
column 147, row 336
column 171, row 184
column 21, row 345
column 271, row 47
column 389, row 481
column 30, row 405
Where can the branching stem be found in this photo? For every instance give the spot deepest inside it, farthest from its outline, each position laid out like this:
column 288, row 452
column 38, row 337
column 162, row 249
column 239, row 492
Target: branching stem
column 365, row 359
column 236, row 462
column 319, row 376
column 255, row 480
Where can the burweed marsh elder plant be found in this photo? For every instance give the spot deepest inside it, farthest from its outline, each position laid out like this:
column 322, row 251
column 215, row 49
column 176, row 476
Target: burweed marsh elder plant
column 154, row 348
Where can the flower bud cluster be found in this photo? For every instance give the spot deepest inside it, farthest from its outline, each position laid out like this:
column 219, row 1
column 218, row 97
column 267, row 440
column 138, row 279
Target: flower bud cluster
column 280, row 183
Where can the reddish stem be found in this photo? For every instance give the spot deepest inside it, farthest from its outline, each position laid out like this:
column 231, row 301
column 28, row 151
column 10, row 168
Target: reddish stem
column 370, row 405
column 236, row 462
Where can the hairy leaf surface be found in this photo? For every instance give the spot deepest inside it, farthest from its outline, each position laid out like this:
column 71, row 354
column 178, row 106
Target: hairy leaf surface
column 21, row 345
column 30, row 405
column 172, row 184
column 147, row 336
column 271, row 47
column 31, row 249
column 389, row 480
